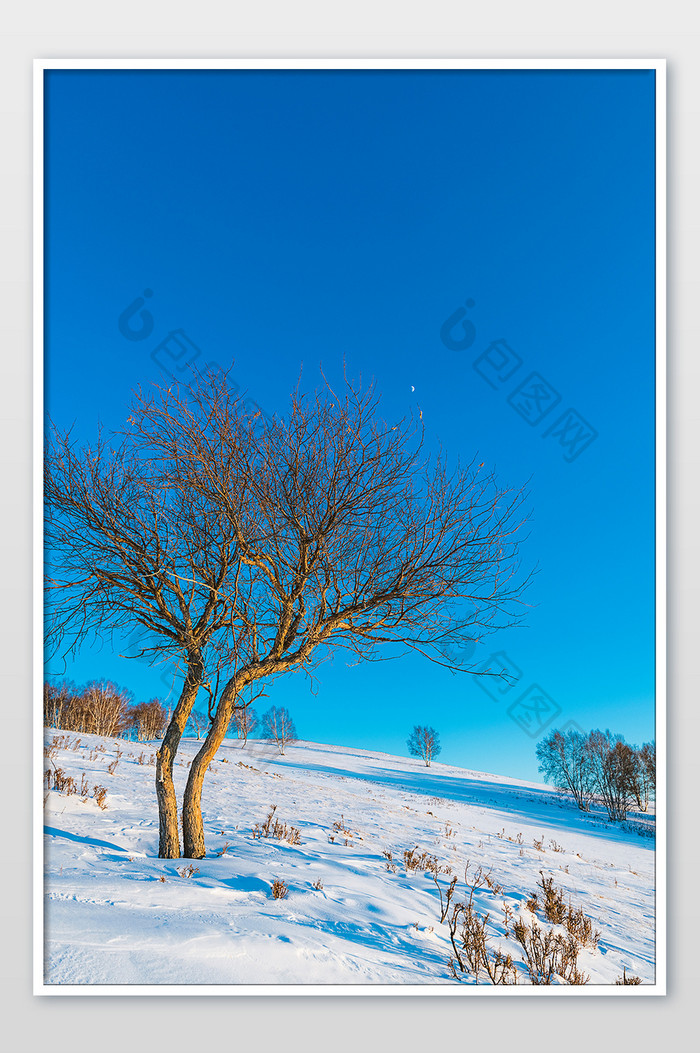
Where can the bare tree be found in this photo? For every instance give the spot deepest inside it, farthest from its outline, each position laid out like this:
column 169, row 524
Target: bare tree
column 245, row 549
column 644, row 777
column 199, row 721
column 567, row 763
column 277, row 724
column 56, row 702
column 348, row 539
column 133, row 549
column 424, row 742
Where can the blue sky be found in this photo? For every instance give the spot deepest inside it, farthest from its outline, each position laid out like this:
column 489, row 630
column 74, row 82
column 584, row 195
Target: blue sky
column 281, row 218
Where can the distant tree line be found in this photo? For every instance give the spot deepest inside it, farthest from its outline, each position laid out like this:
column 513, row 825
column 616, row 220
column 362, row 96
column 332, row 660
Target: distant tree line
column 599, row 767
column 102, row 708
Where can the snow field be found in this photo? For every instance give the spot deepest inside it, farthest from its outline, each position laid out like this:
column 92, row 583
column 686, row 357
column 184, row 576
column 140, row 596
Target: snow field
column 117, row 914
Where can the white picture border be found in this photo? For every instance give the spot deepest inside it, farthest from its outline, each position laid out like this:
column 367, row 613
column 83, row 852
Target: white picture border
column 460, row 990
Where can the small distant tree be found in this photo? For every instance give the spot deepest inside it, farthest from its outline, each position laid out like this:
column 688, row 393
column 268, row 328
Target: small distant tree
column 278, row 725
column 566, row 763
column 614, row 766
column 246, row 721
column 644, row 778
column 57, row 699
column 424, row 742
column 149, row 720
column 198, row 721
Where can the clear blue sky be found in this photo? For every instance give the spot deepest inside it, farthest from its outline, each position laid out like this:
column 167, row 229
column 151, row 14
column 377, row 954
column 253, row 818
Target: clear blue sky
column 281, row 218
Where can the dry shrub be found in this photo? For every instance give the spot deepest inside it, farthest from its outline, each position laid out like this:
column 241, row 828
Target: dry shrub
column 415, row 860
column 279, row 889
column 469, row 939
column 57, row 779
column 274, row 828
column 625, row 979
column 449, row 893
column 342, row 831
column 111, row 768
column 553, row 907
column 390, row 864
column 581, row 928
column 549, row 954
column 533, row 903
column 318, row 885
column 188, row 871
column 100, row 795
column 471, row 951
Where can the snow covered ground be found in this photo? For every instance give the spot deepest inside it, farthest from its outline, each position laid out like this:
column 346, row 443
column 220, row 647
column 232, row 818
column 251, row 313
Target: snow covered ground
column 116, row 914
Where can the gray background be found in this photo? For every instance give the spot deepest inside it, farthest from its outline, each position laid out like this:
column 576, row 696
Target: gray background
column 601, row 28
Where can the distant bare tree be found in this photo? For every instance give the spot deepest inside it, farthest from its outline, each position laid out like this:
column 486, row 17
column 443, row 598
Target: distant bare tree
column 613, row 771
column 149, row 719
column 644, row 778
column 199, row 721
column 424, row 742
column 246, row 720
column 277, row 724
column 566, row 762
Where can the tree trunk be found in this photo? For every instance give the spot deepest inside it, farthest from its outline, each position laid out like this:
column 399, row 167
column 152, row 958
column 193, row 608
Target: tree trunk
column 169, row 838
column 192, row 825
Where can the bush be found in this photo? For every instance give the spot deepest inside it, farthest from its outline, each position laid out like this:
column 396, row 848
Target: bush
column 274, row 828
column 549, row 954
column 279, row 889
column 553, row 907
column 471, row 951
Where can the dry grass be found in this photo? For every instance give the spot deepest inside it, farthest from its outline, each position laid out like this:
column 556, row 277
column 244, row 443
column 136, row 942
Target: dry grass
column 188, row 871
column 279, row 889
column 625, row 979
column 415, row 860
column 342, row 833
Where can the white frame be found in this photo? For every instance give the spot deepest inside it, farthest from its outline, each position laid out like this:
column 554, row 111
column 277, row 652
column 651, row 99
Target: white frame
column 40, row 988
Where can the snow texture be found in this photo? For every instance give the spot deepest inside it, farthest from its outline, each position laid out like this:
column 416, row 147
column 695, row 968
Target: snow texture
column 117, row 914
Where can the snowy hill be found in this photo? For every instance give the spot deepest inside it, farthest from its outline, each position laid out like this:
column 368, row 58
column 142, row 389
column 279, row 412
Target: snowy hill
column 116, row 914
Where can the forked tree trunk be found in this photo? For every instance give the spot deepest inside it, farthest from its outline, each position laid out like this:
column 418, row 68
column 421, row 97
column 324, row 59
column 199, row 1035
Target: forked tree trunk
column 192, row 825
column 169, row 838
